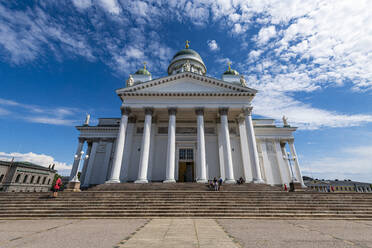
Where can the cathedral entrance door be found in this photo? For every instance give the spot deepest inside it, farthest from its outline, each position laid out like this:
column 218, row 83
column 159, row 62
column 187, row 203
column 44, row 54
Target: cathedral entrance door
column 186, row 172
column 186, row 165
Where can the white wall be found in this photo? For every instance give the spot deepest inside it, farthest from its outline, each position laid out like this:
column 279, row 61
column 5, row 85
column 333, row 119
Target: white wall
column 160, row 158
column 236, row 157
column 211, row 150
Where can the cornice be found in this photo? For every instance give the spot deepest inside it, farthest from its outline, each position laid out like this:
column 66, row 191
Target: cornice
column 241, row 91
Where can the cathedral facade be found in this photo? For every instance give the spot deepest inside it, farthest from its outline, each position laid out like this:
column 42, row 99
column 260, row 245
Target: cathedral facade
column 186, row 127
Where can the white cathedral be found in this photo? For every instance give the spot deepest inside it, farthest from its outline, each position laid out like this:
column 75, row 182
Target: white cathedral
column 186, row 127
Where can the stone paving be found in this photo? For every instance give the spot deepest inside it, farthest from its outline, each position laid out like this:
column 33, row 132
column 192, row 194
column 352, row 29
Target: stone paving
column 299, row 233
column 202, row 233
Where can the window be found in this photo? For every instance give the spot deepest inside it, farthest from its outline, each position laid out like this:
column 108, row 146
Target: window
column 25, row 179
column 38, row 180
column 48, row 181
column 1, row 178
column 32, row 179
column 44, row 180
column 186, row 154
column 17, row 178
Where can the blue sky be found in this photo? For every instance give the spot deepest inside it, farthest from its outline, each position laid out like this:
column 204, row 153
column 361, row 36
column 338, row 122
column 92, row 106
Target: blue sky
column 309, row 59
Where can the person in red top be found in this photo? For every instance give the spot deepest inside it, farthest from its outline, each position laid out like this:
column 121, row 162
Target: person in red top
column 57, row 186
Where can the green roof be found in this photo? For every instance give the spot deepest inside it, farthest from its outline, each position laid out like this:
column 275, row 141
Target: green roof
column 143, row 71
column 231, row 72
column 24, row 164
column 187, row 51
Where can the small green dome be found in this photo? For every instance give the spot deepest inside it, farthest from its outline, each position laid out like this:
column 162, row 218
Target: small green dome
column 143, row 71
column 231, row 72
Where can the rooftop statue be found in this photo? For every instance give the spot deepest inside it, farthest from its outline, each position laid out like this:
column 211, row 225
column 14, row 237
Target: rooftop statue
column 130, row 80
column 87, row 119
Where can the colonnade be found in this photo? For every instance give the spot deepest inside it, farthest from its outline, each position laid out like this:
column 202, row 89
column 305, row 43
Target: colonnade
column 248, row 143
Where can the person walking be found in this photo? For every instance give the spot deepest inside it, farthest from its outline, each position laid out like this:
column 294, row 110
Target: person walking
column 215, row 184
column 57, row 187
column 220, row 181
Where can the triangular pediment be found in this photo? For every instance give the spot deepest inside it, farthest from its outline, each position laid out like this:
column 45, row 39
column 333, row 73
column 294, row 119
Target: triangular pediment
column 187, row 83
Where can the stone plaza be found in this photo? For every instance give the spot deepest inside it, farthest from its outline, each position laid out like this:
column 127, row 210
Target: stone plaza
column 102, row 233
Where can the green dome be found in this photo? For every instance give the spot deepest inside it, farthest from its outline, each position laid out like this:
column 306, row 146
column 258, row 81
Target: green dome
column 231, row 72
column 143, row 71
column 187, row 51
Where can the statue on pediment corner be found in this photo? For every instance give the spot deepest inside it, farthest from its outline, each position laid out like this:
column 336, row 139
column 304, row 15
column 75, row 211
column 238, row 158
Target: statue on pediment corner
column 130, row 81
column 87, row 119
column 242, row 81
column 285, row 121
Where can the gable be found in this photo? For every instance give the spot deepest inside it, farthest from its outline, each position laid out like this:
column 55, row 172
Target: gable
column 186, row 83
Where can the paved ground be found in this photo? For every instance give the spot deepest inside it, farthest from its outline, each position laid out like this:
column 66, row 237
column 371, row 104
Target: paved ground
column 184, row 233
column 170, row 233
column 299, row 233
column 65, row 233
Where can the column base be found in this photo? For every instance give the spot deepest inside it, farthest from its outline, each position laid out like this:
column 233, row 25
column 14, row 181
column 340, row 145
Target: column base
column 169, row 181
column 202, row 181
column 230, row 181
column 113, row 181
column 141, row 181
column 258, row 181
column 73, row 186
column 295, row 186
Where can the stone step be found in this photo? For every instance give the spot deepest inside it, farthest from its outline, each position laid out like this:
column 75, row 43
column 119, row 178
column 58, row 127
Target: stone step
column 196, row 215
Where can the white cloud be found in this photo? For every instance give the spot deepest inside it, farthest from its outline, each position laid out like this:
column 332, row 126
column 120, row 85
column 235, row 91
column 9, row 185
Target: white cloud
column 40, row 114
column 266, row 34
column 350, row 163
column 213, row 46
column 110, row 6
column 82, row 4
column 39, row 159
column 304, row 116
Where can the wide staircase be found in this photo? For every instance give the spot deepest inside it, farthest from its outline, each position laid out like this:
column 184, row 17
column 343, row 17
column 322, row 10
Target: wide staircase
column 187, row 200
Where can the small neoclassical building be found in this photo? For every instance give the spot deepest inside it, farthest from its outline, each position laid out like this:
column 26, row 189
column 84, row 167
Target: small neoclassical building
column 186, row 127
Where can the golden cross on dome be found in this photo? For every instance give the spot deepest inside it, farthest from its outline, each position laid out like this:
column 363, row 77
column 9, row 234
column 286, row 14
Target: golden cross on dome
column 229, row 64
column 144, row 65
column 187, row 44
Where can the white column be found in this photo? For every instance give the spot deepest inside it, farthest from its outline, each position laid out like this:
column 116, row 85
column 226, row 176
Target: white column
column 281, row 163
column 229, row 172
column 221, row 151
column 77, row 157
column 87, row 179
column 251, row 138
column 245, row 151
column 85, row 165
column 127, row 155
column 285, row 157
column 296, row 164
column 119, row 148
column 145, row 148
column 201, row 146
column 171, row 151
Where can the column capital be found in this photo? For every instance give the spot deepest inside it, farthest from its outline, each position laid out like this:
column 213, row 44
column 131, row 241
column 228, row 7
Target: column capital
column 172, row 111
column 291, row 141
column 81, row 140
column 149, row 111
column 125, row 110
column 247, row 111
column 223, row 111
column 199, row 111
